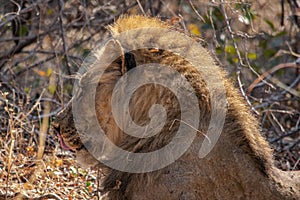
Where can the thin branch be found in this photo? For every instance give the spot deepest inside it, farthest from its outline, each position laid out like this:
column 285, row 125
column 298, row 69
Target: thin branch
column 271, row 71
column 196, row 11
column 60, row 7
column 238, row 72
column 286, row 134
column 24, row 44
column 141, row 7
column 22, row 11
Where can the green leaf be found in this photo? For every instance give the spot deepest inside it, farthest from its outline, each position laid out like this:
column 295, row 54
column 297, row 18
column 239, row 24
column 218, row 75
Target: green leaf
column 52, row 89
column 281, row 33
column 269, row 52
column 270, row 24
column 23, row 31
column 49, row 12
column 263, row 44
column 252, row 56
column 49, row 71
column 27, row 90
column 219, row 50
column 88, row 184
column 230, row 49
column 235, row 60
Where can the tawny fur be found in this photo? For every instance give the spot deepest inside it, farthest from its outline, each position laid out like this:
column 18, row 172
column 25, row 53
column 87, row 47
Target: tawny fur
column 240, row 166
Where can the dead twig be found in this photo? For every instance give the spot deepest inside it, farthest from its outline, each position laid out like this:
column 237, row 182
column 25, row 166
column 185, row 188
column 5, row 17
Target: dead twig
column 271, row 71
column 62, row 31
column 196, row 11
column 141, row 7
column 238, row 72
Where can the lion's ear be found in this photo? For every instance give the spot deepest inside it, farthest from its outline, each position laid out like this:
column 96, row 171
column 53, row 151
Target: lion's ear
column 104, row 57
column 110, row 57
column 126, row 62
column 113, row 48
column 130, row 62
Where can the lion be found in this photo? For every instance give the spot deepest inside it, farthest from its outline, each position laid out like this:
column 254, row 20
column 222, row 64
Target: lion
column 239, row 166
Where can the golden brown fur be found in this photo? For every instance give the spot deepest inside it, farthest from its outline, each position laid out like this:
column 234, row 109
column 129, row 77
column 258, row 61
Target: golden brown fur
column 239, row 166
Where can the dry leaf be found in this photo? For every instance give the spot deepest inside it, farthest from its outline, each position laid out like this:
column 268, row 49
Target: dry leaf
column 194, row 29
column 40, row 72
column 28, row 186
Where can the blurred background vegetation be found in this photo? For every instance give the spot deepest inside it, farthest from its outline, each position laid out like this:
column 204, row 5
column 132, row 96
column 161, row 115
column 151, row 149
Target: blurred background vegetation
column 43, row 43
